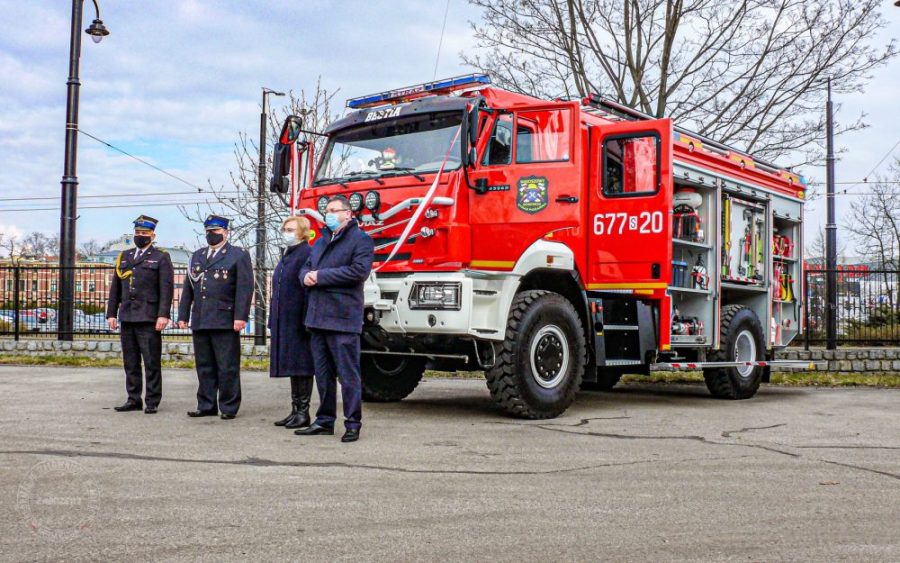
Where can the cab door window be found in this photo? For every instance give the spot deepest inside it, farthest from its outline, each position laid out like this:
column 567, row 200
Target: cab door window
column 543, row 136
column 499, row 148
column 631, row 165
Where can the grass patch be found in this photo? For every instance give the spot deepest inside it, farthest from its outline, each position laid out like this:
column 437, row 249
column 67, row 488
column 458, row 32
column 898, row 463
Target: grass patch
column 794, row 379
column 787, row 379
column 88, row 362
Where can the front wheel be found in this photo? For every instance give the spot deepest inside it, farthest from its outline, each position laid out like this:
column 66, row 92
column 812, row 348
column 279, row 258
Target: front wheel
column 741, row 341
column 387, row 378
column 541, row 362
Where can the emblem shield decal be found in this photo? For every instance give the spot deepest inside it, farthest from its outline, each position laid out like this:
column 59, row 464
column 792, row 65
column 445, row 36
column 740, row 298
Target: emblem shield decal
column 532, row 194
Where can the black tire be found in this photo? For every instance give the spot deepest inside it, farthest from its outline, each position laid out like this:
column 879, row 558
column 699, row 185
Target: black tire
column 738, row 324
column 541, row 361
column 607, row 378
column 388, row 378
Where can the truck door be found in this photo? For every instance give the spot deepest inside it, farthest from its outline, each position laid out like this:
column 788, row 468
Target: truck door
column 531, row 167
column 630, row 210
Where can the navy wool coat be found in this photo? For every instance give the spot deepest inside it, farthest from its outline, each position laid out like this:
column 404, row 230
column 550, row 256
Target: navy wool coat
column 217, row 292
column 289, row 351
column 343, row 264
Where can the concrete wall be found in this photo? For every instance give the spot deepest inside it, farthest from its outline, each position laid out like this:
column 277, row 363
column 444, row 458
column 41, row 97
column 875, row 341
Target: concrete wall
column 841, row 360
column 110, row 349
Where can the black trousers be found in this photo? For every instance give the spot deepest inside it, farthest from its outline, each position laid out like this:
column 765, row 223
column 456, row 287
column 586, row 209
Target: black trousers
column 142, row 341
column 336, row 356
column 217, row 354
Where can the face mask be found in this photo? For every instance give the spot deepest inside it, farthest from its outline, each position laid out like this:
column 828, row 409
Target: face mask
column 141, row 241
column 214, row 238
column 332, row 221
column 290, row 238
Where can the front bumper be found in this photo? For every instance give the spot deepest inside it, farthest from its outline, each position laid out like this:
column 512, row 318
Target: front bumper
column 485, row 299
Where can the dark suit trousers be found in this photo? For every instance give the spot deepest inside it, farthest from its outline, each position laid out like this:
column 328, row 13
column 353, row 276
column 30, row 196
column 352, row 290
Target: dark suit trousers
column 217, row 354
column 142, row 340
column 336, row 356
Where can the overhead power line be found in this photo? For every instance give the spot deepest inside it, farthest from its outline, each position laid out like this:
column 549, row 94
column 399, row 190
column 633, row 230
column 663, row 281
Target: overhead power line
column 128, row 195
column 117, row 206
column 141, row 160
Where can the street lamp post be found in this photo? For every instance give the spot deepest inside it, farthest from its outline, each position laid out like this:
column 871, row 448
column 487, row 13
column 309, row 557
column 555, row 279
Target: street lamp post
column 69, row 195
column 259, row 328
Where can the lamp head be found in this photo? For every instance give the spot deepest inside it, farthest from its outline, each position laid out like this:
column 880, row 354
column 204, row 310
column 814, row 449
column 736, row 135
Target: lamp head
column 97, row 31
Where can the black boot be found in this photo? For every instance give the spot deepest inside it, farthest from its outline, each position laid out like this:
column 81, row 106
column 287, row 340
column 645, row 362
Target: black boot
column 294, row 400
column 301, row 403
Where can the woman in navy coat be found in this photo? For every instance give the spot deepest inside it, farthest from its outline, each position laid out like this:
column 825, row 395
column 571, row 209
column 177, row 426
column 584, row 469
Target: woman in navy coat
column 289, row 350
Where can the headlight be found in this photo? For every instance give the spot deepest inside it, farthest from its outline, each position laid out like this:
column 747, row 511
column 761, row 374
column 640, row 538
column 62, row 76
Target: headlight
column 321, row 204
column 435, row 295
column 373, row 201
column 356, row 202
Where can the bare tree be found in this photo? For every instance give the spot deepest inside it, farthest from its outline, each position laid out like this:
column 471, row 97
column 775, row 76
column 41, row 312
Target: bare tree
column 238, row 200
column 751, row 73
column 874, row 220
column 38, row 245
column 89, row 249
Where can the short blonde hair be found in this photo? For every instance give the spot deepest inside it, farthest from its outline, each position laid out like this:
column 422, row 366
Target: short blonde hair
column 300, row 223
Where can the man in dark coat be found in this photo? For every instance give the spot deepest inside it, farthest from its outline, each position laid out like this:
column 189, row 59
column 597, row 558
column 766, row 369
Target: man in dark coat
column 289, row 351
column 215, row 300
column 140, row 296
column 335, row 275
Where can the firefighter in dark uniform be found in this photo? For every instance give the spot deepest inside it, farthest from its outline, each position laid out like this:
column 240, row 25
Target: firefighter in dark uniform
column 215, row 300
column 334, row 275
column 140, row 296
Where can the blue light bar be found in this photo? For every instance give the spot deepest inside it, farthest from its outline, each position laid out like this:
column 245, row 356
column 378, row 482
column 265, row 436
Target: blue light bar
column 447, row 83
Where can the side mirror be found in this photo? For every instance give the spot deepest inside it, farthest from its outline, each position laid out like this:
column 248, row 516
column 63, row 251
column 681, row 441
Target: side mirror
column 291, row 130
column 470, row 137
column 281, row 157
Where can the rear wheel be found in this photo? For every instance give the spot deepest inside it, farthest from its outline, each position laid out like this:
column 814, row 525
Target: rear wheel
column 741, row 341
column 541, row 363
column 387, row 378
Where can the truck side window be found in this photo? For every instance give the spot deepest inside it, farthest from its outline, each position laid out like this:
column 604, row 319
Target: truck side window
column 543, row 136
column 499, row 148
column 631, row 165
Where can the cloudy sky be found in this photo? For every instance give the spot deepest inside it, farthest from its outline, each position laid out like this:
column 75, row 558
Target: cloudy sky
column 177, row 80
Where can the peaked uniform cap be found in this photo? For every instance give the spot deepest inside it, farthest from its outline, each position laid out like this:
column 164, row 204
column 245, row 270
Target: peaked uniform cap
column 215, row 222
column 145, row 222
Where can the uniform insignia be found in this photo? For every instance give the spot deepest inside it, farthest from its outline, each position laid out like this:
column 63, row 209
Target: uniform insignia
column 225, row 274
column 532, row 195
column 196, row 274
column 216, row 275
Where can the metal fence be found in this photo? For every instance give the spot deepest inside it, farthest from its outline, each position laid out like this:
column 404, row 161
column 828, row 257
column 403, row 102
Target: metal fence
column 867, row 307
column 29, row 299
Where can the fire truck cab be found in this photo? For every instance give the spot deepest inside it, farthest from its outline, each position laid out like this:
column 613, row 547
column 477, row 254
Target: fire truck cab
column 553, row 244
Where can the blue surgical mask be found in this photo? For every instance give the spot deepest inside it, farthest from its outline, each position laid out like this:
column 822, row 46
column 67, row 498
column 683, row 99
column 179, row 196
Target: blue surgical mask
column 332, row 221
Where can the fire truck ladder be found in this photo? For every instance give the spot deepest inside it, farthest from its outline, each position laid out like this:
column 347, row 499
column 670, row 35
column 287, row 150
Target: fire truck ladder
column 615, row 111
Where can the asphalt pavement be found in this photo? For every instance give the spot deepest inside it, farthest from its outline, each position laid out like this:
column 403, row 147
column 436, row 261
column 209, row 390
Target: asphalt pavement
column 646, row 472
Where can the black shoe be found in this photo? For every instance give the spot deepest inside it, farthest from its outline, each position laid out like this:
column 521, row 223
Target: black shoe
column 351, row 435
column 299, row 420
column 286, row 419
column 197, row 414
column 226, row 416
column 150, row 410
column 128, row 406
column 314, row 430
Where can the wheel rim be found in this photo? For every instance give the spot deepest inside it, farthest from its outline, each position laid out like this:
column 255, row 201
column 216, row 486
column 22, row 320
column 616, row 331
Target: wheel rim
column 398, row 366
column 549, row 356
column 745, row 351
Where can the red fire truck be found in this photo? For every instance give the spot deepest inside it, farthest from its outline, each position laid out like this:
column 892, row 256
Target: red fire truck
column 553, row 244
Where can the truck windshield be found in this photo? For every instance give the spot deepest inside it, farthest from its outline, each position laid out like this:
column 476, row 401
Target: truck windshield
column 406, row 145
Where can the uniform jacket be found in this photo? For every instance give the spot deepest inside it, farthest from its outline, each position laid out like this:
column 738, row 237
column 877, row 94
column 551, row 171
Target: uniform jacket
column 146, row 294
column 336, row 302
column 289, row 352
column 217, row 292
